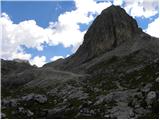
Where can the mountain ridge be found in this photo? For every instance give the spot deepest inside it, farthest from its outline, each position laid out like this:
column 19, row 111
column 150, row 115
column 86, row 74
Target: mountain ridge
column 110, row 30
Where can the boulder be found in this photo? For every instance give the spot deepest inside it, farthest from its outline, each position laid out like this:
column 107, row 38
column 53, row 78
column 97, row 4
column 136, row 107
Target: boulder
column 40, row 98
column 35, row 97
column 3, row 115
column 151, row 96
column 28, row 97
column 147, row 88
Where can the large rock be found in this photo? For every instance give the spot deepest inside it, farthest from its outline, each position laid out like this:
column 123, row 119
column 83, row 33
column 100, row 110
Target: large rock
column 40, row 98
column 26, row 112
column 35, row 97
column 151, row 96
column 3, row 115
column 9, row 102
column 147, row 88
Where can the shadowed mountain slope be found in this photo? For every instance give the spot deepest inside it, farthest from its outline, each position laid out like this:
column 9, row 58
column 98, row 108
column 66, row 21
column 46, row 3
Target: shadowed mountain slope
column 112, row 30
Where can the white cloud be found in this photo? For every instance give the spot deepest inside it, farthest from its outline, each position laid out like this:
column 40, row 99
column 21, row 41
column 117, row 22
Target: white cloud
column 21, row 55
column 56, row 58
column 65, row 31
column 67, row 55
column 67, row 28
column 141, row 8
column 83, row 7
column 153, row 28
column 118, row 2
column 39, row 61
column 25, row 33
column 5, row 16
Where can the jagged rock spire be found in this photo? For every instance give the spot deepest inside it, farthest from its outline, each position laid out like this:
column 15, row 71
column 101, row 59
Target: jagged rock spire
column 110, row 29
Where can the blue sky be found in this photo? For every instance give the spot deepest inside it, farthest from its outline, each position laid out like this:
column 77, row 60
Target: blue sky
column 44, row 13
column 41, row 12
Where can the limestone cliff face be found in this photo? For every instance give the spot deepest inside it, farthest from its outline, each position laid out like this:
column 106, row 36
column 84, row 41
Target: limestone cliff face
column 109, row 30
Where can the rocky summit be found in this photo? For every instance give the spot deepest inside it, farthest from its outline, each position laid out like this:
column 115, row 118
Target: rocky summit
column 113, row 74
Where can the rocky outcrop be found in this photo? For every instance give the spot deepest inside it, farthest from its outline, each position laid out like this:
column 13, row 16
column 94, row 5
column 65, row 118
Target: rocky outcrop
column 32, row 97
column 112, row 33
column 111, row 28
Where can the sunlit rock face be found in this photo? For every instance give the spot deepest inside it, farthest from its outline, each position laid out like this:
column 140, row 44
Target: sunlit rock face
column 109, row 30
column 112, row 32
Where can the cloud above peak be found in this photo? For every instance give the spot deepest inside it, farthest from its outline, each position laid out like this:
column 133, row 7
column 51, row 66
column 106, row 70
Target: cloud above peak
column 141, row 8
column 38, row 60
column 67, row 28
column 153, row 28
column 56, row 58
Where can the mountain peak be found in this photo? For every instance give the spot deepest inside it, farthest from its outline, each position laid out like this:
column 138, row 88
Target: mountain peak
column 110, row 29
column 113, row 8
